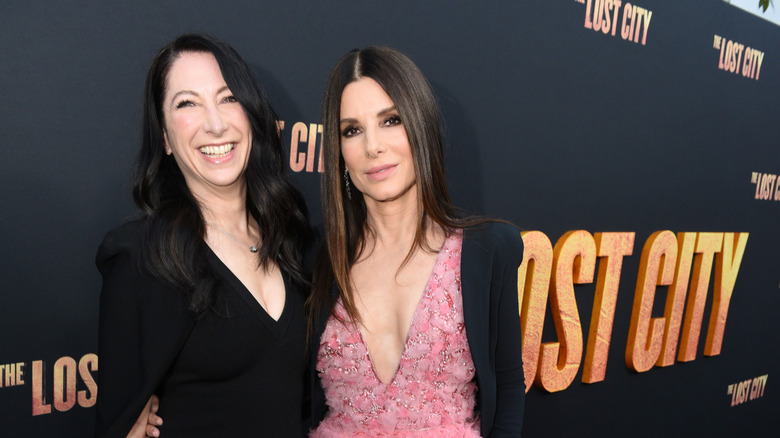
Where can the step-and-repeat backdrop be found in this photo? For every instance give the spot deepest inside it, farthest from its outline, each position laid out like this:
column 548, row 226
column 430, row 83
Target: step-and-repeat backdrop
column 636, row 144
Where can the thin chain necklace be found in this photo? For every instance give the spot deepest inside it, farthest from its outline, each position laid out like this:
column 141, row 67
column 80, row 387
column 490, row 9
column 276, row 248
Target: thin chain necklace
column 252, row 248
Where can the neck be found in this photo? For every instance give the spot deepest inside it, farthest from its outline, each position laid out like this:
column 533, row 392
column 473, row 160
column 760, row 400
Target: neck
column 227, row 211
column 394, row 223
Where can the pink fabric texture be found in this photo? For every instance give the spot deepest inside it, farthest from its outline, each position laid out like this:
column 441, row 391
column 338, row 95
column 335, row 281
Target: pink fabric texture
column 432, row 393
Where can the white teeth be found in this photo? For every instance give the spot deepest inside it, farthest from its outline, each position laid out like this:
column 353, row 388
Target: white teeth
column 217, row 151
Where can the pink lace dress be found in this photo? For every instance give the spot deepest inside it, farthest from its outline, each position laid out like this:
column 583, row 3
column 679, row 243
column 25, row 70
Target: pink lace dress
column 432, row 393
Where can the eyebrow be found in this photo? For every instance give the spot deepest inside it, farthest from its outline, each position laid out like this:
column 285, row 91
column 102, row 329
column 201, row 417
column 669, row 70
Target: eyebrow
column 382, row 112
column 192, row 93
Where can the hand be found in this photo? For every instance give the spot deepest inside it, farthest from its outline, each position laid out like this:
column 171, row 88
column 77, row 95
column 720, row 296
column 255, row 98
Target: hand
column 147, row 423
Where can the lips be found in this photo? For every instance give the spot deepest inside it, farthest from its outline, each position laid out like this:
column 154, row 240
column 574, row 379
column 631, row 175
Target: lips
column 378, row 173
column 217, row 151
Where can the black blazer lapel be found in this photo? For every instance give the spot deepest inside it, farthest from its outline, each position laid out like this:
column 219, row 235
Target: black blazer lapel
column 476, row 267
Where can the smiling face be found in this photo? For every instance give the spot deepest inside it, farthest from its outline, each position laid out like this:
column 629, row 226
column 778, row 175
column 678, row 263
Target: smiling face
column 375, row 146
column 206, row 129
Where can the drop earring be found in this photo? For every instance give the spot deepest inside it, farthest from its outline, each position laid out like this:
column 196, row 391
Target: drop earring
column 346, row 183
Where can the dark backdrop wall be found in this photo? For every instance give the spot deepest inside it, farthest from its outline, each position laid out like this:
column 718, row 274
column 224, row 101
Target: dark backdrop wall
column 601, row 116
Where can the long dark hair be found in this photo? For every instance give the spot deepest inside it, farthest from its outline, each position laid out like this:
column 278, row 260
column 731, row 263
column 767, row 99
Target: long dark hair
column 345, row 219
column 174, row 246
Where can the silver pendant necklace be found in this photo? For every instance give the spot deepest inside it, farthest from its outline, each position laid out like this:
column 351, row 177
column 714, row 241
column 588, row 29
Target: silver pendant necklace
column 252, row 248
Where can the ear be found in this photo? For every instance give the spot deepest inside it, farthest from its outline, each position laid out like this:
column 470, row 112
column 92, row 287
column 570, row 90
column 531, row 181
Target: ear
column 168, row 150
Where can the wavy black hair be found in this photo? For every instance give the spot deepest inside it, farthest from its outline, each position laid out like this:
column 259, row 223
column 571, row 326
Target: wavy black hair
column 174, row 246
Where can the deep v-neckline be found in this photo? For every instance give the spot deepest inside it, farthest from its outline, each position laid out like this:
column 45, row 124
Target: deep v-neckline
column 425, row 294
column 276, row 326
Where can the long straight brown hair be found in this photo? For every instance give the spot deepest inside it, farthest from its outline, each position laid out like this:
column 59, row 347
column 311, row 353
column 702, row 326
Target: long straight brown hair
column 345, row 219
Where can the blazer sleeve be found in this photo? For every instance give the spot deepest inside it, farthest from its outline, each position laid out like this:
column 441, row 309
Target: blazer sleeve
column 143, row 324
column 510, row 379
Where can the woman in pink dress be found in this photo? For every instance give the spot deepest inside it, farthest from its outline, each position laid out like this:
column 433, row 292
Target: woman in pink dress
column 414, row 312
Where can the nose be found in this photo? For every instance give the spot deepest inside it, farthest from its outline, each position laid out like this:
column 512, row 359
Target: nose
column 373, row 143
column 215, row 123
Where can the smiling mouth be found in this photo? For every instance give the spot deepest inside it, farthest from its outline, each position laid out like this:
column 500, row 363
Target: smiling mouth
column 217, row 151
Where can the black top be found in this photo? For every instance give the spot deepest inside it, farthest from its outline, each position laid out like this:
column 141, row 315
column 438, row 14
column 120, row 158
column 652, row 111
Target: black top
column 234, row 371
column 490, row 257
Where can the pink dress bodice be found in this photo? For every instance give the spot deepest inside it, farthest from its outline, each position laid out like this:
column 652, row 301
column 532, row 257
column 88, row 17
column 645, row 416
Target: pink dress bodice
column 432, row 393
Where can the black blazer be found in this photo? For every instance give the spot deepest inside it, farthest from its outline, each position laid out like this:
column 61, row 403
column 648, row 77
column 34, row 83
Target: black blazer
column 490, row 257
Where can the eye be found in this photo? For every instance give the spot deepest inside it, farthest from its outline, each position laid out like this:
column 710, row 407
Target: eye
column 350, row 131
column 185, row 104
column 229, row 99
column 393, row 120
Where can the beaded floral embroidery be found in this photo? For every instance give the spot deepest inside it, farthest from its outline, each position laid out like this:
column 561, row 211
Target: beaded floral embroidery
column 432, row 393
